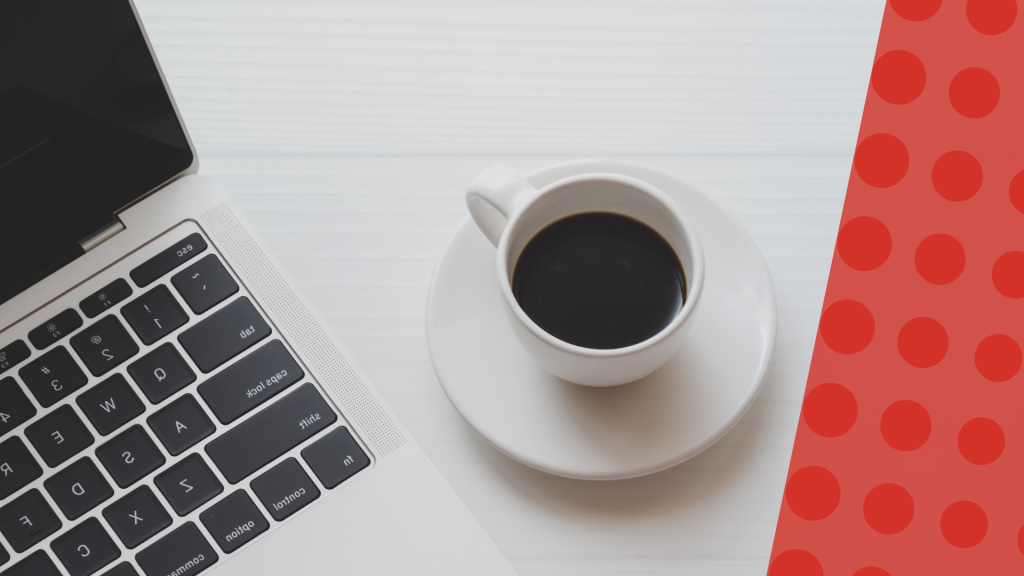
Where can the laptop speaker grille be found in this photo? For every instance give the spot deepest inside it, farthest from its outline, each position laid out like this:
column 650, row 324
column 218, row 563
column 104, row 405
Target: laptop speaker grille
column 304, row 332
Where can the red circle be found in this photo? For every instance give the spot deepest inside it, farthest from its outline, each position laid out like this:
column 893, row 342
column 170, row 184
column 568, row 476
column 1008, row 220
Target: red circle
column 812, row 493
column 981, row 441
column 1017, row 191
column 864, row 243
column 795, row 563
column 830, row 410
column 964, row 524
column 881, row 160
column 998, row 358
column 888, row 508
column 922, row 342
column 898, row 77
column 940, row 259
column 974, row 92
column 871, row 571
column 847, row 326
column 906, row 425
column 957, row 176
column 1008, row 274
column 991, row 16
column 915, row 10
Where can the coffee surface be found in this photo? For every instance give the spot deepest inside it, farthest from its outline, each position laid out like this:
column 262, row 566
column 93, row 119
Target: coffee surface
column 599, row 280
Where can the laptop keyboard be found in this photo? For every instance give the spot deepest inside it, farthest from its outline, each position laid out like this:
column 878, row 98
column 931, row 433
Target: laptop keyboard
column 158, row 427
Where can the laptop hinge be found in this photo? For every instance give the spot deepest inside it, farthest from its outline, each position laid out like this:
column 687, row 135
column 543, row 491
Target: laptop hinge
column 104, row 234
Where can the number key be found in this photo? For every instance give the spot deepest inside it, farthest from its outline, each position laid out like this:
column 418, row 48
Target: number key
column 104, row 345
column 53, row 376
column 154, row 315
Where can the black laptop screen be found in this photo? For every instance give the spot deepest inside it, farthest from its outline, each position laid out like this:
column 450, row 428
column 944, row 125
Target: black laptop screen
column 86, row 128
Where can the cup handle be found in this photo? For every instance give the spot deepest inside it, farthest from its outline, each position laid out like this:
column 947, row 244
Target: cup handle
column 494, row 196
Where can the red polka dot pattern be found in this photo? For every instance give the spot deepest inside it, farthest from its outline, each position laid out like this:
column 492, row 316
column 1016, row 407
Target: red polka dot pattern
column 940, row 259
column 915, row 10
column 871, row 571
column 1017, row 191
column 1008, row 275
column 964, row 524
column 922, row 342
column 864, row 243
column 974, row 92
column 888, row 509
column 981, row 441
column 830, row 410
column 906, row 425
column 998, row 358
column 957, row 176
column 991, row 16
column 909, row 439
column 795, row 563
column 881, row 160
column 812, row 493
column 847, row 326
column 898, row 77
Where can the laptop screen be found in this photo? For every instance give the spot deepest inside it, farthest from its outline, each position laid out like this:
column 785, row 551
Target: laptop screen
column 86, row 128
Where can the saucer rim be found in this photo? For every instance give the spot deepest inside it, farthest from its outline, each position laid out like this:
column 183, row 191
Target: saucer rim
column 769, row 323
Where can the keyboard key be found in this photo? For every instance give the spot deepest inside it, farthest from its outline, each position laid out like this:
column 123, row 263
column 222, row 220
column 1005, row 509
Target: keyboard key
column 204, row 284
column 182, row 251
column 107, row 297
column 224, row 335
column 184, row 551
column 104, row 346
column 250, row 382
column 53, row 376
column 78, row 488
column 181, row 424
column 85, row 549
column 161, row 373
column 137, row 517
column 154, row 315
column 37, row 564
column 335, row 458
column 130, row 456
column 59, row 435
column 17, row 467
column 285, row 489
column 280, row 427
column 234, row 521
column 110, row 404
column 13, row 354
column 188, row 484
column 4, row 556
column 27, row 520
column 55, row 328
column 15, row 407
column 123, row 569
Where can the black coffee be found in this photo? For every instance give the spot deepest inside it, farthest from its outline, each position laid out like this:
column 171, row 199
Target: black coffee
column 599, row 280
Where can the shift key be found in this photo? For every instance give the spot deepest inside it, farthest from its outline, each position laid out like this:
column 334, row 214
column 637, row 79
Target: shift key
column 224, row 335
column 278, row 428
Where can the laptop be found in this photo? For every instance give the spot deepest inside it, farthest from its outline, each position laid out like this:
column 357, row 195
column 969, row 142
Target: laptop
column 169, row 404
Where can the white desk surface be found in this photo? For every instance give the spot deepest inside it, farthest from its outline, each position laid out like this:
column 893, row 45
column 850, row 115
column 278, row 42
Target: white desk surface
column 347, row 132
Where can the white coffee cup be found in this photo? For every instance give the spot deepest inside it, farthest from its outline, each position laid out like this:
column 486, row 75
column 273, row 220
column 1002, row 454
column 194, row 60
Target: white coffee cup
column 510, row 212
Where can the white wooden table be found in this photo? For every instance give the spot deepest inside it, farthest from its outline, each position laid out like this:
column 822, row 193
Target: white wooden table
column 347, row 132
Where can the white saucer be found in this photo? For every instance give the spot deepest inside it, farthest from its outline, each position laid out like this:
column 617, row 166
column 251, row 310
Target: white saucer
column 622, row 431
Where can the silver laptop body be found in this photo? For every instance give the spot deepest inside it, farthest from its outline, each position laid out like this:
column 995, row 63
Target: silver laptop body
column 170, row 406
